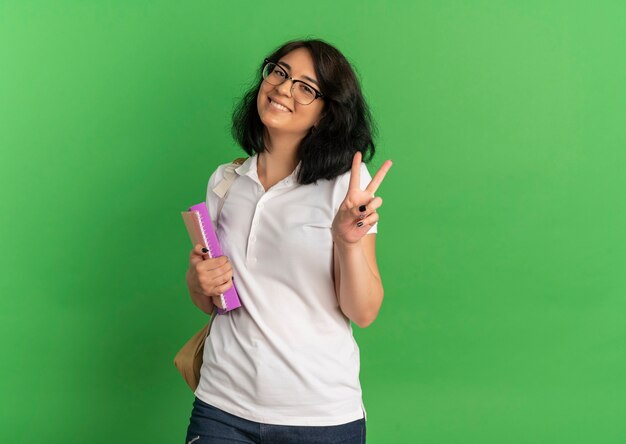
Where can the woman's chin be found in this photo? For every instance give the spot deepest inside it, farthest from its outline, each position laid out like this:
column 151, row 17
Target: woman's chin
column 281, row 124
column 275, row 122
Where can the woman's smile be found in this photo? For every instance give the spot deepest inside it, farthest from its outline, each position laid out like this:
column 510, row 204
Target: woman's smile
column 278, row 107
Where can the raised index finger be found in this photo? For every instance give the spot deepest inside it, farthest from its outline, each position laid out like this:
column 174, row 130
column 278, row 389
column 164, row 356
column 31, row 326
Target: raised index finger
column 355, row 180
column 378, row 177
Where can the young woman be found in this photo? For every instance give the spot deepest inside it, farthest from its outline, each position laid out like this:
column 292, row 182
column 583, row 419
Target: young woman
column 298, row 230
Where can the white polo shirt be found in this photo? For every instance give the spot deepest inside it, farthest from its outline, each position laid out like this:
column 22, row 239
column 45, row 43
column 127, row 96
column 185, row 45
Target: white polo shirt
column 287, row 356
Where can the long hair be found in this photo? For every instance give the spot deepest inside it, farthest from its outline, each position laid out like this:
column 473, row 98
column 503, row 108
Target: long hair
column 345, row 127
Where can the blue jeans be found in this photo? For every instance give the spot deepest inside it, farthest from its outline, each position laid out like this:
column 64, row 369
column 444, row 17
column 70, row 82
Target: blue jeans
column 209, row 424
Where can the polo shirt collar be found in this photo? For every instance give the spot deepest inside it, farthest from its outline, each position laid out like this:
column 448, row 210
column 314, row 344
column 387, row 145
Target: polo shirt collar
column 244, row 168
column 249, row 168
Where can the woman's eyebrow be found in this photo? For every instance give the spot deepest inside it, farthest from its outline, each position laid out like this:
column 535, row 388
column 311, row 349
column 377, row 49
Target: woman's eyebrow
column 286, row 65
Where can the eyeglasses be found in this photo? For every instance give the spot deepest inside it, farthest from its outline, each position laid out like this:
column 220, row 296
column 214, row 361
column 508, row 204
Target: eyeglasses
column 276, row 75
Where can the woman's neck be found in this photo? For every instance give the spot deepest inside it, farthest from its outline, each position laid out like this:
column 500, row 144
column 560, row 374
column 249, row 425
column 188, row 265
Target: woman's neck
column 273, row 166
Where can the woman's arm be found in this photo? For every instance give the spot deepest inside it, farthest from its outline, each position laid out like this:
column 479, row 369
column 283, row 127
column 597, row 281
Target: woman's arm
column 357, row 280
column 204, row 303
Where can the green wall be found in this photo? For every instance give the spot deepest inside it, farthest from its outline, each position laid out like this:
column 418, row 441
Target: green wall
column 501, row 242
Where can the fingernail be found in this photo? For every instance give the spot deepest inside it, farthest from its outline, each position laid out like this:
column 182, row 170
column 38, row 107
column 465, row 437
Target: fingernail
column 362, row 208
column 205, row 250
column 359, row 224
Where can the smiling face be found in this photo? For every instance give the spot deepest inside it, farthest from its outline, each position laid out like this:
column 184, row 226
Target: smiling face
column 297, row 118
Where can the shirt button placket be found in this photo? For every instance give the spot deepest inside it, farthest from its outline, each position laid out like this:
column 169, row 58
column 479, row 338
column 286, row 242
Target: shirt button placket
column 252, row 237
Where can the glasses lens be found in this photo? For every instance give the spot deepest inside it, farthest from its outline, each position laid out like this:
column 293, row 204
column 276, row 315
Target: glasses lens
column 303, row 93
column 273, row 74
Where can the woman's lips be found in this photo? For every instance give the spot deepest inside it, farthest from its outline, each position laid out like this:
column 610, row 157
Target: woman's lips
column 277, row 106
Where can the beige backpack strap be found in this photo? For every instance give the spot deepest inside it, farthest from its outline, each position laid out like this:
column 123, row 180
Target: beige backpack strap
column 222, row 187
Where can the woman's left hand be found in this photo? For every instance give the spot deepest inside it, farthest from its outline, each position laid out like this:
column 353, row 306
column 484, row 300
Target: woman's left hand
column 357, row 213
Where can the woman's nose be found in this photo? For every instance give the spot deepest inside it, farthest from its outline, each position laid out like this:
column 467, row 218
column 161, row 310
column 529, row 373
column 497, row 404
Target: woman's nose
column 285, row 87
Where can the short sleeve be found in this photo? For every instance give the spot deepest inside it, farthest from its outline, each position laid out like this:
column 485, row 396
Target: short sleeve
column 341, row 189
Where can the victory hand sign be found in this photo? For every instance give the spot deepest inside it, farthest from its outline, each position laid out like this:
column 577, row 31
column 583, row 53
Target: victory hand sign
column 357, row 213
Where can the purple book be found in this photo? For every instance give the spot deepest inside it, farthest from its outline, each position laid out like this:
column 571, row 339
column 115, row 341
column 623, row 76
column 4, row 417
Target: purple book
column 200, row 228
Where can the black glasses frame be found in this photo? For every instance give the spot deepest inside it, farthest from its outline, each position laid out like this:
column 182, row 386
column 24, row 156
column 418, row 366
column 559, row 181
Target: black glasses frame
column 293, row 81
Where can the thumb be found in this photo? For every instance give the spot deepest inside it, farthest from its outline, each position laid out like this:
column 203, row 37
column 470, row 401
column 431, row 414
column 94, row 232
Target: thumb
column 197, row 254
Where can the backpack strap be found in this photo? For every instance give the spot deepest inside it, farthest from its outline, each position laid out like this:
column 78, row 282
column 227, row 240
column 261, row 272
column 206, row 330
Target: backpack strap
column 223, row 186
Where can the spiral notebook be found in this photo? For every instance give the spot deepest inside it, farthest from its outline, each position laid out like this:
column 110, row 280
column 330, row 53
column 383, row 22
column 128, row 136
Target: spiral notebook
column 200, row 228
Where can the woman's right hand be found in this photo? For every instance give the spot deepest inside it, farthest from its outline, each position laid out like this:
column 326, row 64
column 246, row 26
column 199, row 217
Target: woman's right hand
column 208, row 277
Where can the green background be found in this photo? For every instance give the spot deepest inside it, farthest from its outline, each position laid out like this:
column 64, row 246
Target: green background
column 501, row 241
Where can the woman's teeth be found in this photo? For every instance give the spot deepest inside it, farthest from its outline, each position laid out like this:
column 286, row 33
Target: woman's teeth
column 280, row 107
